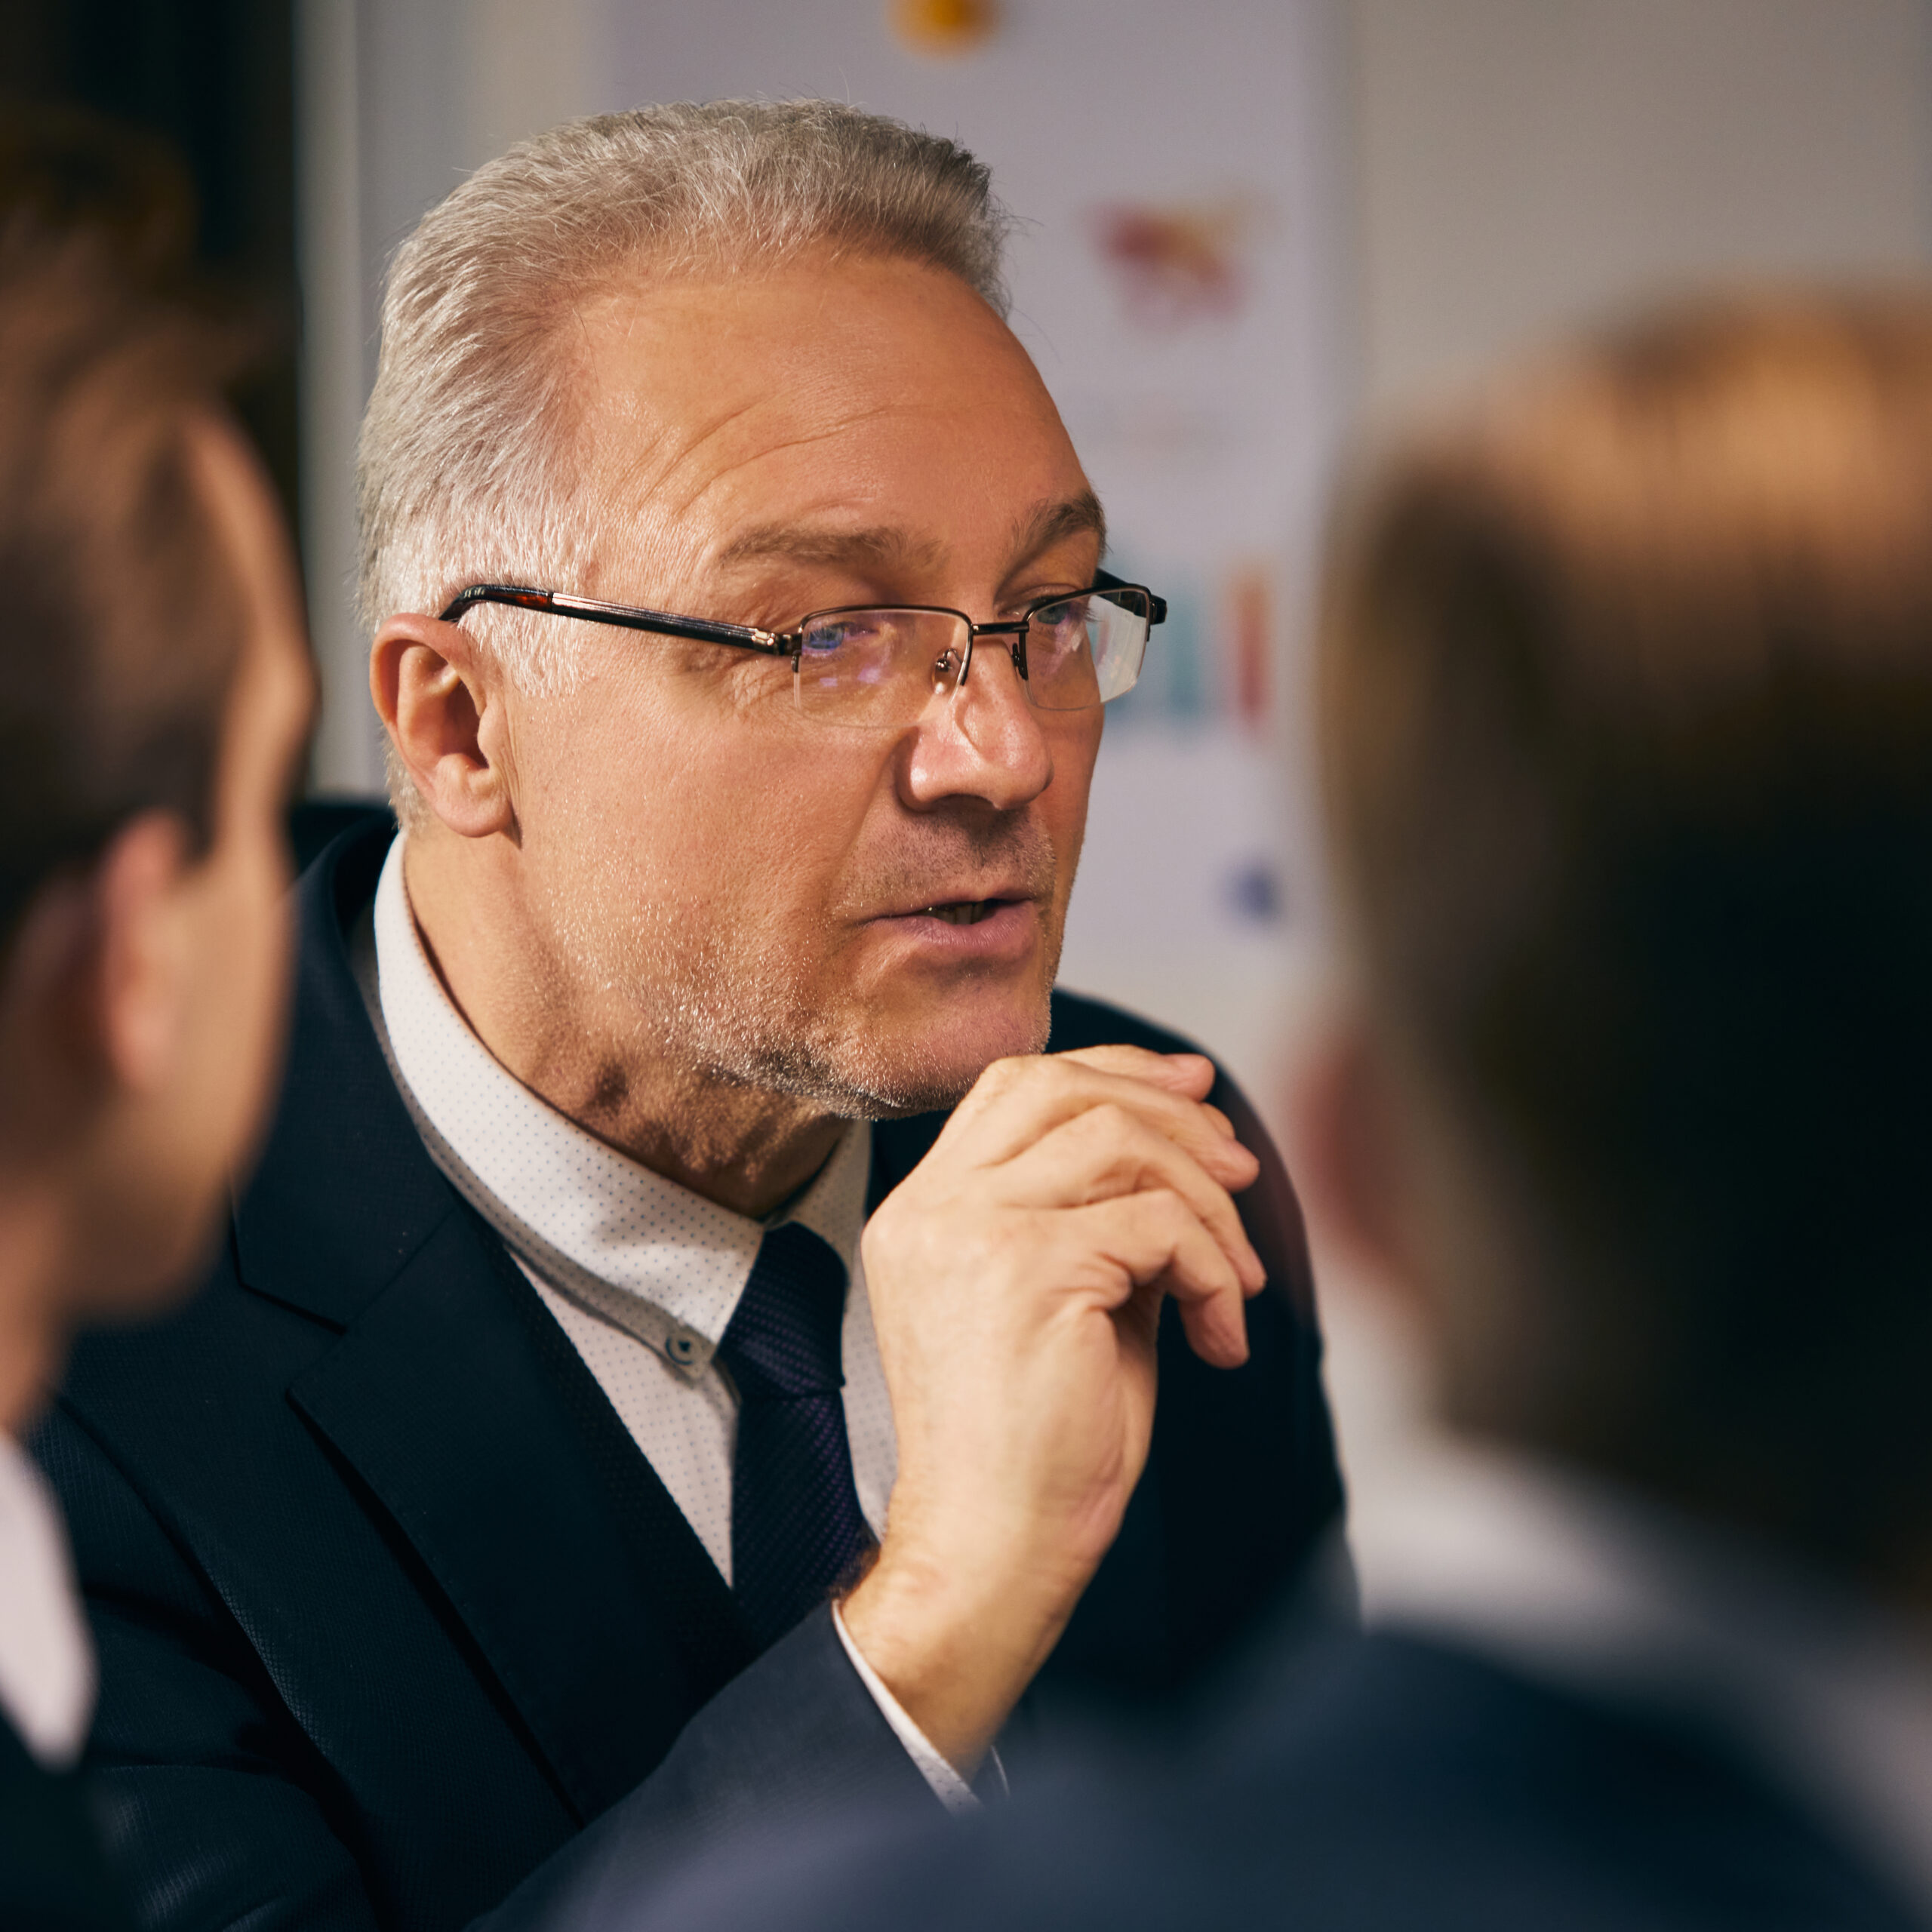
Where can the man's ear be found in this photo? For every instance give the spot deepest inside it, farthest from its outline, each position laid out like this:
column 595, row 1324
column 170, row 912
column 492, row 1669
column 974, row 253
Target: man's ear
column 441, row 704
column 98, row 975
column 1351, row 1146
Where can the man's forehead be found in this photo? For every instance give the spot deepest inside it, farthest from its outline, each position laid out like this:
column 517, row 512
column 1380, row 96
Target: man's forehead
column 908, row 430
column 793, row 354
column 895, row 548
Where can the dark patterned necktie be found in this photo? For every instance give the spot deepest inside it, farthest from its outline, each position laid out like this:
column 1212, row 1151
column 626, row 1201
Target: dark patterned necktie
column 796, row 1528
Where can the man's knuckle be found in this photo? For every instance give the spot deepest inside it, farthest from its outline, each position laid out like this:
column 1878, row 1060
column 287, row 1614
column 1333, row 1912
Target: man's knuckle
column 1160, row 1204
column 1006, row 1075
column 1112, row 1121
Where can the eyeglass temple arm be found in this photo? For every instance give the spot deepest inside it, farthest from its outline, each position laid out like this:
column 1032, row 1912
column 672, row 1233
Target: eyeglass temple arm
column 1157, row 607
column 556, row 603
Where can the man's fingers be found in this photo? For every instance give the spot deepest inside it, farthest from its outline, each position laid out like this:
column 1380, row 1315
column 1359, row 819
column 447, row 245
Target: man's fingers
column 1017, row 1102
column 1192, row 1075
column 1107, row 1152
column 1156, row 1238
column 1189, row 1074
column 1216, row 1331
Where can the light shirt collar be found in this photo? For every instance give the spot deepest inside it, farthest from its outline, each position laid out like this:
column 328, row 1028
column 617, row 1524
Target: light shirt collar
column 1584, row 1585
column 657, row 1259
column 46, row 1666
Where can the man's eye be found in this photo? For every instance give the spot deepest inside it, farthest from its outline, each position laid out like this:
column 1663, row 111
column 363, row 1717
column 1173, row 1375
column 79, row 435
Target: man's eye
column 862, row 630
column 821, row 640
column 1066, row 616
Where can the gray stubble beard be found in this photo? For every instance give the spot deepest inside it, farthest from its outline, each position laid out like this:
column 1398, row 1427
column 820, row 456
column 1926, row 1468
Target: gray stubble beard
column 728, row 1019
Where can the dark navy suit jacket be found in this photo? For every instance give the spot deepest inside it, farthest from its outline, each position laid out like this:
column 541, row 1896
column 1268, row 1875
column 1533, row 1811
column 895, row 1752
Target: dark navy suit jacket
column 389, row 1604
column 1373, row 1784
column 54, row 1876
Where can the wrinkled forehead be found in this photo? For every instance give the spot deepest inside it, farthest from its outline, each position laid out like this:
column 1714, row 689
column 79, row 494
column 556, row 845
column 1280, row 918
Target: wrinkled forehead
column 884, row 393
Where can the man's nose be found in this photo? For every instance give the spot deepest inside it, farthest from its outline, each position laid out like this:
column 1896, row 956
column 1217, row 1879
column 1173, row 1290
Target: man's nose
column 984, row 741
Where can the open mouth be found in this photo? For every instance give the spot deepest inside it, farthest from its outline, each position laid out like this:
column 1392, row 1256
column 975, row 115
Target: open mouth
column 963, row 911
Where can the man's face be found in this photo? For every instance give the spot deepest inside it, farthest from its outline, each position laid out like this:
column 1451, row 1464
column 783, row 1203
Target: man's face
column 726, row 882
column 165, row 1168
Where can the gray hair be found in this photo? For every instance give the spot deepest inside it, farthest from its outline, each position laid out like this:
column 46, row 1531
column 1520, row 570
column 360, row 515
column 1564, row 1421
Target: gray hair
column 459, row 474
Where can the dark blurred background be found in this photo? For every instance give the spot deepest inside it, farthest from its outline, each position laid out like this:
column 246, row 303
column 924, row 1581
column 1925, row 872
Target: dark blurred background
column 215, row 79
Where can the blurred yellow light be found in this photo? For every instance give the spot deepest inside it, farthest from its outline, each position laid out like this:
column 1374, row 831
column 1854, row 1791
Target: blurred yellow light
column 944, row 27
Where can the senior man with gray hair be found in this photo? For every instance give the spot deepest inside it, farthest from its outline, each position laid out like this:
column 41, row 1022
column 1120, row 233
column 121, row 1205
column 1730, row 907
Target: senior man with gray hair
column 549, row 1435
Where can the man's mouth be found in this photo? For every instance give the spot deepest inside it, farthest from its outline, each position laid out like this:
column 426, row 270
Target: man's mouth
column 963, row 911
column 1007, row 925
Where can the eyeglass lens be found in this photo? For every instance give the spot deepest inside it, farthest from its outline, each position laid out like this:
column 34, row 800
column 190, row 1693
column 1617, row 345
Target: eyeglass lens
column 883, row 667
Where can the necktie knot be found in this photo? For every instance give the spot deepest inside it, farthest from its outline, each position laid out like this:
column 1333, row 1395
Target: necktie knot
column 784, row 1337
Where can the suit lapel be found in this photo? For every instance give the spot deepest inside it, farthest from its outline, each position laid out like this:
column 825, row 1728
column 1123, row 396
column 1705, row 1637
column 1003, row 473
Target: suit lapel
column 438, row 1400
column 464, row 1411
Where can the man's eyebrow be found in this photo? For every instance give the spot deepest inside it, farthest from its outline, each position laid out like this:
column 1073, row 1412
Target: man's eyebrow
column 889, row 547
column 1052, row 523
column 882, row 546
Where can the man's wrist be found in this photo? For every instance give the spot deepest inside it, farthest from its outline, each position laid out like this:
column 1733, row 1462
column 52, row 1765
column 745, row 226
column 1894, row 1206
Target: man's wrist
column 956, row 1644
column 942, row 1779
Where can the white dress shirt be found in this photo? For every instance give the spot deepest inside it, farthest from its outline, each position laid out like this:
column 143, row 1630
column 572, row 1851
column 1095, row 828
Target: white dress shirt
column 1582, row 1585
column 643, row 1275
column 47, row 1679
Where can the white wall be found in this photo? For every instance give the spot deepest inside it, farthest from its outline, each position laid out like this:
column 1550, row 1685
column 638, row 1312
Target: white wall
column 1526, row 163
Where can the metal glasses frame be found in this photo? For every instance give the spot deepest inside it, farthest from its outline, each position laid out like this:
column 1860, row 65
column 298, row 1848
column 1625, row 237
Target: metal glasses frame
column 778, row 644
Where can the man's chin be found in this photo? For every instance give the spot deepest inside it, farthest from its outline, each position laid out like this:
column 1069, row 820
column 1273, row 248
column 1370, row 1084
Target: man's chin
column 919, row 1063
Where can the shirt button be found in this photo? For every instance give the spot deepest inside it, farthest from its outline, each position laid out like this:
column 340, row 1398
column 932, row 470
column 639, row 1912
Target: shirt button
column 682, row 1349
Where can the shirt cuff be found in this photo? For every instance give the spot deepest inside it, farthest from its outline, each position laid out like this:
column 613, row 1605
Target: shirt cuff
column 948, row 1786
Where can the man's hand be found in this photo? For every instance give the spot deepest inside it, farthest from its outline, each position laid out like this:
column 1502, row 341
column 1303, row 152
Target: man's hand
column 1015, row 1278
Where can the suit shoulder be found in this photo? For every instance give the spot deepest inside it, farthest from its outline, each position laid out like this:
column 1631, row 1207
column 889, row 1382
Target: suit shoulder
column 1372, row 1784
column 1080, row 1021
column 1380, row 1784
column 1396, row 1753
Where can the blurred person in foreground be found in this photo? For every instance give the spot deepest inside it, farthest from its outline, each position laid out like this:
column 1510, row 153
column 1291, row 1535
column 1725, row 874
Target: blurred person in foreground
column 153, row 700
column 1626, row 718
column 738, row 631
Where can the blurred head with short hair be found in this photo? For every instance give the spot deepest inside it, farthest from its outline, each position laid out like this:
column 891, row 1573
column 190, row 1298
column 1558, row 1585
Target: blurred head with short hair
column 1626, row 712
column 154, row 692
